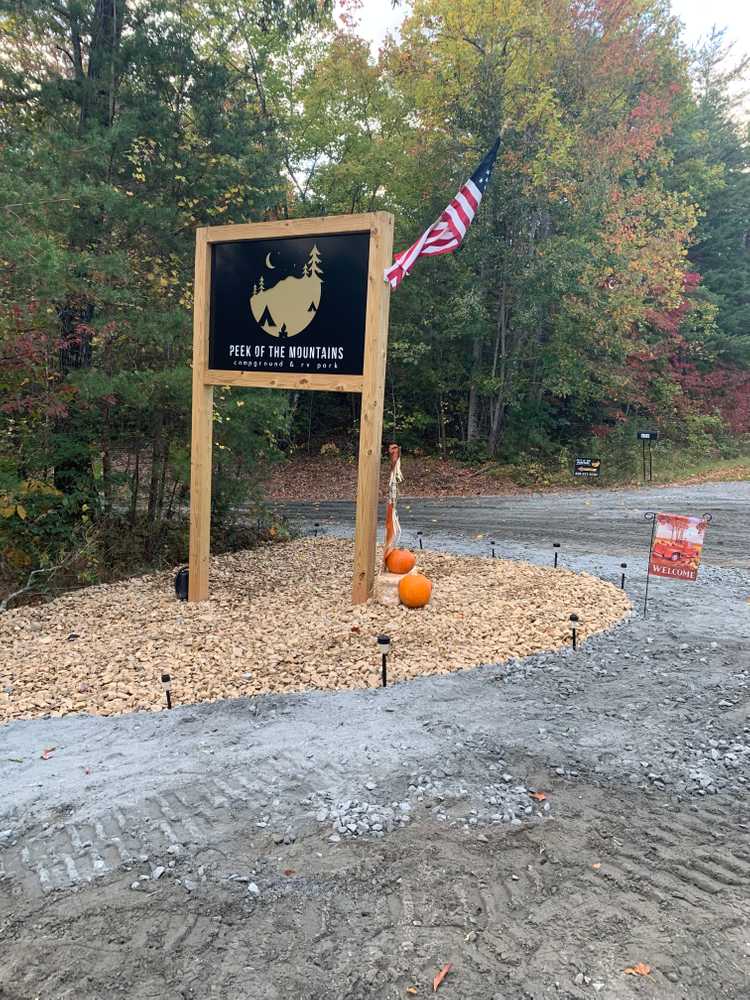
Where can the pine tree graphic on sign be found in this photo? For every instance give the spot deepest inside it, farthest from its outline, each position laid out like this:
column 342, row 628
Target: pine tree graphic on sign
column 314, row 262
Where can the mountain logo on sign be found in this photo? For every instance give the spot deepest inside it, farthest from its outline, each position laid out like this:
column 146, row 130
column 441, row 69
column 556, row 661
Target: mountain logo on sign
column 289, row 307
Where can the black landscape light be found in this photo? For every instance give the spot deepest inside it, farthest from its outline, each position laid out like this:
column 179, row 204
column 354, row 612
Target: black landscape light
column 181, row 583
column 556, row 547
column 574, row 626
column 419, row 537
column 384, row 645
column 623, row 567
column 166, row 683
column 492, row 546
column 316, row 526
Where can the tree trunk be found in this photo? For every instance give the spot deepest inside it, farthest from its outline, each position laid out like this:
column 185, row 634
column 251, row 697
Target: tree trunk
column 163, row 479
column 501, row 355
column 107, row 476
column 442, row 436
column 472, row 426
column 100, row 88
column 134, row 487
column 170, row 508
column 496, row 424
column 157, row 450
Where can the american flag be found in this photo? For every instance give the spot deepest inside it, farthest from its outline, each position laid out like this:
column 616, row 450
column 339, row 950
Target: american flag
column 445, row 235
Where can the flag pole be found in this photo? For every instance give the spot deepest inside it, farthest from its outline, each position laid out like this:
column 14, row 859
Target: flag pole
column 649, row 516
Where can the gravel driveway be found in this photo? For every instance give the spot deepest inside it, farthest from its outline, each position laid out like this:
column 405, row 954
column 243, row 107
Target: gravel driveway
column 543, row 826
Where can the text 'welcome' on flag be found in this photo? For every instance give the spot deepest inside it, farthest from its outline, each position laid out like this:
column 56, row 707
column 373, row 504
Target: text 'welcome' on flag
column 445, row 235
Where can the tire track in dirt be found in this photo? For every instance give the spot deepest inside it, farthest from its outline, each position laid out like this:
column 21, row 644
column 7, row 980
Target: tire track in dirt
column 515, row 913
column 187, row 819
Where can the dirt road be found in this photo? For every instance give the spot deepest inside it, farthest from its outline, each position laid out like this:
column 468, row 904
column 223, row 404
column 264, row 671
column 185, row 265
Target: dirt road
column 542, row 826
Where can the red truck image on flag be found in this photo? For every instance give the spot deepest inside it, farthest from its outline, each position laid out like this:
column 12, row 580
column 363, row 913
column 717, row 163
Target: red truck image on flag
column 677, row 546
column 445, row 235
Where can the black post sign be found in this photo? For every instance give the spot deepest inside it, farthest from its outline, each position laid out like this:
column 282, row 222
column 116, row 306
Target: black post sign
column 643, row 437
column 587, row 468
column 295, row 305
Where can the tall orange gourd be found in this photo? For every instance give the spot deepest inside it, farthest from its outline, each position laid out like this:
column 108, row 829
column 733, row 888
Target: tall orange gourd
column 415, row 590
column 400, row 561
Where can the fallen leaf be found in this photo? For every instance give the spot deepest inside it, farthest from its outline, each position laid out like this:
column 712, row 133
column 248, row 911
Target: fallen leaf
column 638, row 970
column 411, row 989
column 441, row 976
column 289, row 871
column 539, row 796
column 597, row 866
column 49, row 752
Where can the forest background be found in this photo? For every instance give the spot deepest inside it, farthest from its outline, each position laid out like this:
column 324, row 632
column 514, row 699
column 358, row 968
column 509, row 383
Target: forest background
column 603, row 287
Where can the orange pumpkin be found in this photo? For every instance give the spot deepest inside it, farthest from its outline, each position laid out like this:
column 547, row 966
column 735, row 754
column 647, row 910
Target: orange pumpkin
column 415, row 590
column 400, row 561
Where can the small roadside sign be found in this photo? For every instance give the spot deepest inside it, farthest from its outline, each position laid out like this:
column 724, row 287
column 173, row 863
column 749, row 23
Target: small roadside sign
column 587, row 468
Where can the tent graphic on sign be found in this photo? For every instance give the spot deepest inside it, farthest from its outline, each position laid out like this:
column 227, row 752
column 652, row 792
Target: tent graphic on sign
column 288, row 307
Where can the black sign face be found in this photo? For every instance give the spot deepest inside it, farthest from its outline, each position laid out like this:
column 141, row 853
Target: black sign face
column 587, row 468
column 295, row 304
column 648, row 435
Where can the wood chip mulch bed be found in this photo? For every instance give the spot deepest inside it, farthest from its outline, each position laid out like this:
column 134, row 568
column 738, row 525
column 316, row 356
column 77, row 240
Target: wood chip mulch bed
column 279, row 620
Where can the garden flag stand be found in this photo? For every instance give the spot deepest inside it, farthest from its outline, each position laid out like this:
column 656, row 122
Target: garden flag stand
column 676, row 547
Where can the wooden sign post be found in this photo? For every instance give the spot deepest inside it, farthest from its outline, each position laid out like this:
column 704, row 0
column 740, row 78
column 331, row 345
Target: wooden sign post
column 297, row 304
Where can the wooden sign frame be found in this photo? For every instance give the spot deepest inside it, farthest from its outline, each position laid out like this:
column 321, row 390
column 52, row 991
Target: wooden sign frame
column 371, row 384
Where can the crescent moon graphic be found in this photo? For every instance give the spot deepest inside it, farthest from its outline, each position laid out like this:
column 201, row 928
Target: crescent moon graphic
column 269, row 265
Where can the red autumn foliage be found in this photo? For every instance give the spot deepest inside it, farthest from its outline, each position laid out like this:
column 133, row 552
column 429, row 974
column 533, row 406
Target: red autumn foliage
column 722, row 390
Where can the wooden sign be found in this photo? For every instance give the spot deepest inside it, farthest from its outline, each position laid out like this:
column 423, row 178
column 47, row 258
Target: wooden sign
column 297, row 304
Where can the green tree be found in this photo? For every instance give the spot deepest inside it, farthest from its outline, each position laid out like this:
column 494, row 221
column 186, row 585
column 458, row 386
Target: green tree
column 713, row 144
column 124, row 127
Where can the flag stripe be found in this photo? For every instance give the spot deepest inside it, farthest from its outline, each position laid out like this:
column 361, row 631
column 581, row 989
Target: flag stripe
column 470, row 189
column 466, row 205
column 436, row 251
column 456, row 219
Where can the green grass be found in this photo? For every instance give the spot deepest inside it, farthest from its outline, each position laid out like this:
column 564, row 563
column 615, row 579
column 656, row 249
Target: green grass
column 670, row 465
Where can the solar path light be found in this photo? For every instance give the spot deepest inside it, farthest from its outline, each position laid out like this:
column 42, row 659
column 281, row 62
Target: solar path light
column 384, row 646
column 166, row 683
column 574, row 626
